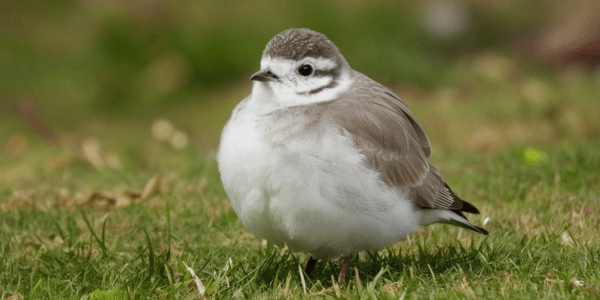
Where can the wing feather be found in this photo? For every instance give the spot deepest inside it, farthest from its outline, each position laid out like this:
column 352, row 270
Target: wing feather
column 392, row 140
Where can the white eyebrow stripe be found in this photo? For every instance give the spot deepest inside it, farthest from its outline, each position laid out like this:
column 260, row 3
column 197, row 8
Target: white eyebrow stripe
column 320, row 63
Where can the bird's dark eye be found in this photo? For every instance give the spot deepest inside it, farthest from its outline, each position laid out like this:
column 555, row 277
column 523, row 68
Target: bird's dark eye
column 306, row 70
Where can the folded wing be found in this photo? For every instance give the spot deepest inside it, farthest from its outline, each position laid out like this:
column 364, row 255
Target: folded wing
column 394, row 143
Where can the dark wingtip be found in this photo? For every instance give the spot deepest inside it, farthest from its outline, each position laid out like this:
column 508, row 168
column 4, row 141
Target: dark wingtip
column 460, row 207
column 469, row 208
column 460, row 204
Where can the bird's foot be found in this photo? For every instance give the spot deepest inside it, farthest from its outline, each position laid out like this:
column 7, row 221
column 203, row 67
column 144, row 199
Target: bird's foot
column 344, row 268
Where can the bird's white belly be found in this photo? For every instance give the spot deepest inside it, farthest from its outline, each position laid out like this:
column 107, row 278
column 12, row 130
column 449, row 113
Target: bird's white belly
column 309, row 190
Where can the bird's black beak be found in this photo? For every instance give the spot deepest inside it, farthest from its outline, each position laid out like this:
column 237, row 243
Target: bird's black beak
column 264, row 75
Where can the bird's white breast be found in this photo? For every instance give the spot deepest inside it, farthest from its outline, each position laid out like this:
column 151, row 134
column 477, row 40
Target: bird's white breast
column 294, row 179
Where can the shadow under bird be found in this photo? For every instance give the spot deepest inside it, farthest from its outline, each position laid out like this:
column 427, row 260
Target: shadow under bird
column 327, row 161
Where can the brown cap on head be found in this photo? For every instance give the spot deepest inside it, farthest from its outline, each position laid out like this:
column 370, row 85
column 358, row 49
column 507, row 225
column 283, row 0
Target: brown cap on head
column 298, row 43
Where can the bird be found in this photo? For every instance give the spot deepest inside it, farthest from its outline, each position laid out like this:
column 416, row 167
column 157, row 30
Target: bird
column 327, row 161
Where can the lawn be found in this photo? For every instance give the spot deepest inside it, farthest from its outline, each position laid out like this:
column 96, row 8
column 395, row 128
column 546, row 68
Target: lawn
column 118, row 209
column 110, row 119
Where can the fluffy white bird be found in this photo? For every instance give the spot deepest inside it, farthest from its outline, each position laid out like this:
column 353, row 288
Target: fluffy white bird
column 327, row 161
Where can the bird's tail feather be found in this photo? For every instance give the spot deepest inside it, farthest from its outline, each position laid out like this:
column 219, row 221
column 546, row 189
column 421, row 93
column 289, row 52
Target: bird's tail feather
column 431, row 216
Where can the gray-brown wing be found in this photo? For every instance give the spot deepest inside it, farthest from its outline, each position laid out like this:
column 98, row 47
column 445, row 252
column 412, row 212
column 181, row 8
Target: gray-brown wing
column 434, row 193
column 393, row 142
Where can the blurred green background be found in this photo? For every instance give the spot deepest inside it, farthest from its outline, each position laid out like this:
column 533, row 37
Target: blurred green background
column 112, row 67
column 99, row 98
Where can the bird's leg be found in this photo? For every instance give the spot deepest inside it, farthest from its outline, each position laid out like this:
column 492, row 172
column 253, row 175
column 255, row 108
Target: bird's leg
column 310, row 265
column 344, row 268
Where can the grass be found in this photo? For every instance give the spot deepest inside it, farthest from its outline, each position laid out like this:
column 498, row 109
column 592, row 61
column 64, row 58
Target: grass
column 73, row 228
column 543, row 239
column 115, row 209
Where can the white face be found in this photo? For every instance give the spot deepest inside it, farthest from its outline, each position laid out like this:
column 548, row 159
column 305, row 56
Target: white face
column 309, row 80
